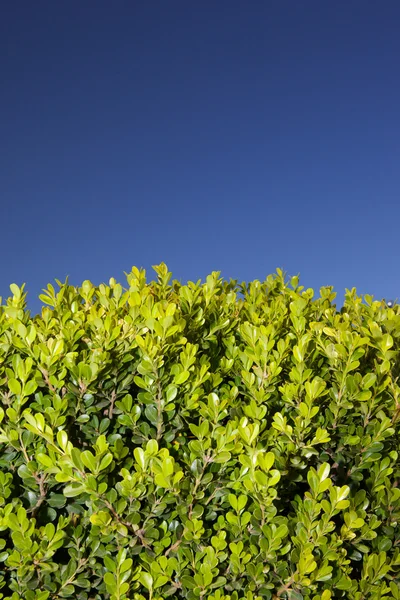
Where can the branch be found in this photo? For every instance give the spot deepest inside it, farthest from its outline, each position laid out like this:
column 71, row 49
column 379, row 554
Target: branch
column 174, row 547
column 286, row 587
column 137, row 532
column 47, row 380
column 112, row 402
column 40, row 480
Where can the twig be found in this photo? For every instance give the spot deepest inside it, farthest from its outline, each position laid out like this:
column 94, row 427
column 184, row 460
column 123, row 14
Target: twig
column 47, row 381
column 174, row 547
column 137, row 532
column 286, row 587
column 207, row 460
column 111, row 409
column 40, row 480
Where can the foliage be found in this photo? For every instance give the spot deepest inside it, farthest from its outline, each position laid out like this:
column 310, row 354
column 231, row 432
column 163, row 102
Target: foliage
column 215, row 441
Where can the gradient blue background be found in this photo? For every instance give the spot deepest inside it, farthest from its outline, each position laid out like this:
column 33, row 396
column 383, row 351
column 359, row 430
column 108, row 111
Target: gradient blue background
column 218, row 135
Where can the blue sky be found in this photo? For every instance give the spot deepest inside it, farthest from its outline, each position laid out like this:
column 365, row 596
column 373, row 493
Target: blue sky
column 216, row 135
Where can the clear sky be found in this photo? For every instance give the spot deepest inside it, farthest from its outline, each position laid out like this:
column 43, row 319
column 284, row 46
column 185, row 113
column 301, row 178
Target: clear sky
column 226, row 135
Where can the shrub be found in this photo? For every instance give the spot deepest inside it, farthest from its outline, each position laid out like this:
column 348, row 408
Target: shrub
column 214, row 441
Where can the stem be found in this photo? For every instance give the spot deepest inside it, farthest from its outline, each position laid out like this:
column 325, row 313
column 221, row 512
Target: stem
column 112, row 402
column 207, row 459
column 174, row 547
column 24, row 452
column 47, row 380
column 82, row 562
column 40, row 480
column 159, row 411
column 137, row 532
column 285, row 588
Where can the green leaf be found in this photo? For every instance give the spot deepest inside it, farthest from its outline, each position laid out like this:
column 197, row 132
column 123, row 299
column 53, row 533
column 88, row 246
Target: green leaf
column 30, row 388
column 171, row 393
column 126, row 565
column 281, row 531
column 275, row 477
column 89, row 461
column 73, row 490
column 269, row 460
column 62, row 439
column 56, row 500
column 162, row 481
column 102, row 518
column 182, row 377
column 323, row 471
column 387, row 342
column 146, row 580
column 160, row 581
column 222, row 457
column 368, row 380
column 342, row 492
column 15, row 290
column 188, row 582
column 233, row 501
column 45, row 460
column 109, row 580
column 241, row 502
column 110, row 564
column 15, row 386
column 152, row 448
column 105, row 461
column 140, row 458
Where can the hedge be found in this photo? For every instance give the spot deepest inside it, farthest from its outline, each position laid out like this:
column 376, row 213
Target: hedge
column 214, row 440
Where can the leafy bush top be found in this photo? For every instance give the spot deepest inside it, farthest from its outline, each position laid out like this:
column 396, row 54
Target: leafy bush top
column 214, row 441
